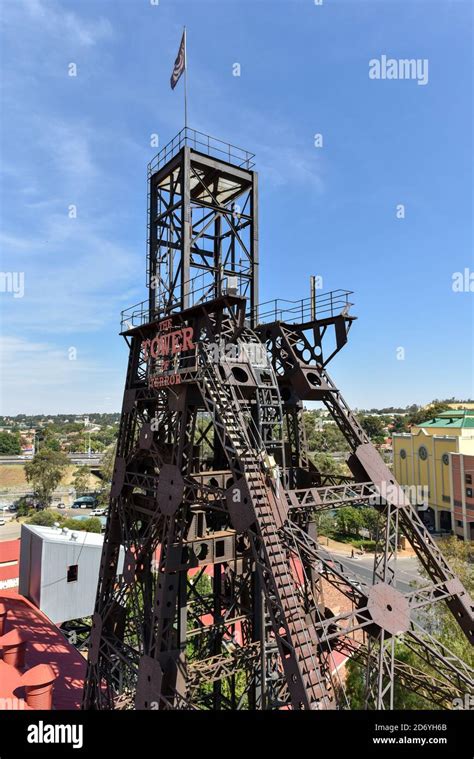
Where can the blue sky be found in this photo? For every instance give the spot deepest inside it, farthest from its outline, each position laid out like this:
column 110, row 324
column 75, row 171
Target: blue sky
column 331, row 211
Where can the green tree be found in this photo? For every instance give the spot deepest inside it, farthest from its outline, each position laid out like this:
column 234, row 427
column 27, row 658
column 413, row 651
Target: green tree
column 374, row 426
column 107, row 463
column 10, row 444
column 93, row 524
column 459, row 555
column 325, row 524
column 45, row 471
column 49, row 439
column 49, row 518
column 326, row 464
column 424, row 415
column 440, row 622
column 106, row 471
column 371, row 520
column 80, row 480
column 400, row 424
column 330, row 438
column 348, row 520
column 403, row 699
column 97, row 445
column 44, row 518
column 24, row 507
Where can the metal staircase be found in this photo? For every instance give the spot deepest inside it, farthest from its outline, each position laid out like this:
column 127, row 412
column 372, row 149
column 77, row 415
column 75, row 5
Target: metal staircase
column 294, row 633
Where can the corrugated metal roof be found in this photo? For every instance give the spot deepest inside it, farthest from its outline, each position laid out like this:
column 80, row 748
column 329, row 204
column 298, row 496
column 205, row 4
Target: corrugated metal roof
column 459, row 419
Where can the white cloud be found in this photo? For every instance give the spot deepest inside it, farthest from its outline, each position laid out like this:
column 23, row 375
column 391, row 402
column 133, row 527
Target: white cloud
column 76, row 278
column 53, row 19
column 38, row 377
column 78, row 275
column 69, row 146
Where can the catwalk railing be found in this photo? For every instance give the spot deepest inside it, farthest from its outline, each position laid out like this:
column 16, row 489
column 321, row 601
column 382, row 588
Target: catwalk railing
column 202, row 143
column 325, row 306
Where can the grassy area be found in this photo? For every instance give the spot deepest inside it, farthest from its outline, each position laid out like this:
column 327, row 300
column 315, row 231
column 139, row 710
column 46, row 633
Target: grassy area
column 354, row 540
column 13, row 475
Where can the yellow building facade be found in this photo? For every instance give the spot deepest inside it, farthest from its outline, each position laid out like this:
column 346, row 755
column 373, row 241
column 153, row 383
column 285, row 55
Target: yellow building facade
column 422, row 460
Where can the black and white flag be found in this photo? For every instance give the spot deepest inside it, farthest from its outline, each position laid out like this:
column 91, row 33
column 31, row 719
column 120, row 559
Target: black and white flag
column 180, row 62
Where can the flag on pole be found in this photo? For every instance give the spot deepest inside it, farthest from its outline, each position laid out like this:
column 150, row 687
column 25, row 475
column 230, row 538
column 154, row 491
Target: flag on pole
column 180, row 62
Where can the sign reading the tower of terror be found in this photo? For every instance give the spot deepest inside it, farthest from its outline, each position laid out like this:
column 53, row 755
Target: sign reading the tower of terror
column 165, row 354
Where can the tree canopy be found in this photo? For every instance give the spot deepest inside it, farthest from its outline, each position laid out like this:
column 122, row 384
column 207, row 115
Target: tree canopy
column 45, row 472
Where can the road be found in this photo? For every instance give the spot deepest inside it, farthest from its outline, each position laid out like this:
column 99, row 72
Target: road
column 10, row 530
column 406, row 574
column 75, row 458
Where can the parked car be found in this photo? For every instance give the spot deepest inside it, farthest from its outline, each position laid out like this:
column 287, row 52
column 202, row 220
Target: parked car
column 2, row 522
column 60, row 506
column 13, row 507
column 98, row 513
column 85, row 502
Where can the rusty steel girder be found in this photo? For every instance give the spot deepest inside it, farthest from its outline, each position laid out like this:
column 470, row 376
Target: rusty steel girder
column 212, row 583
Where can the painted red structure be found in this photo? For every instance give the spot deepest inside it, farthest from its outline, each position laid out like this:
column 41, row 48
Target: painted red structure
column 9, row 563
column 38, row 683
column 51, row 674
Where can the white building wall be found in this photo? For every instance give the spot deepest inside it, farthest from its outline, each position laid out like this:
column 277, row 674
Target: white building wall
column 45, row 557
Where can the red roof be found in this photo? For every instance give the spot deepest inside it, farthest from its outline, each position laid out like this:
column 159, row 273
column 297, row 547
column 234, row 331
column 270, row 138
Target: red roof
column 9, row 550
column 9, row 559
column 46, row 645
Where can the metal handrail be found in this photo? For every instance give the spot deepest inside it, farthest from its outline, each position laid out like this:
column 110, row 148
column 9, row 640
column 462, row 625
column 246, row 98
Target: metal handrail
column 327, row 305
column 202, row 143
column 140, row 313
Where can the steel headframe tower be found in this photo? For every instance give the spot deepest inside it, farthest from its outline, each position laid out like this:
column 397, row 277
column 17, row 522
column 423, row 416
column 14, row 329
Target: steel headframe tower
column 210, row 593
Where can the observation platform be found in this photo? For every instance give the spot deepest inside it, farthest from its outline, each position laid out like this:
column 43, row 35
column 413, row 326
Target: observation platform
column 327, row 306
column 205, row 144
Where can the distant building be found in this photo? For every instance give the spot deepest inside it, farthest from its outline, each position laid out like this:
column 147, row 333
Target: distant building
column 59, row 570
column 27, row 443
column 462, row 494
column 429, row 456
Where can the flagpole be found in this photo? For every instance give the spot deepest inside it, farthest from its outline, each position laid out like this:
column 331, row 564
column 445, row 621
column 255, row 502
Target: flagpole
column 185, row 83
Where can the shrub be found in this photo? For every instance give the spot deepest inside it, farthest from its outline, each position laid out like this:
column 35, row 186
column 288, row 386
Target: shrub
column 93, row 524
column 367, row 545
column 44, row 518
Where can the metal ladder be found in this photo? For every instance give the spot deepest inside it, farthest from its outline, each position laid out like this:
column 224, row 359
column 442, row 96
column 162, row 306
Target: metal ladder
column 298, row 645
